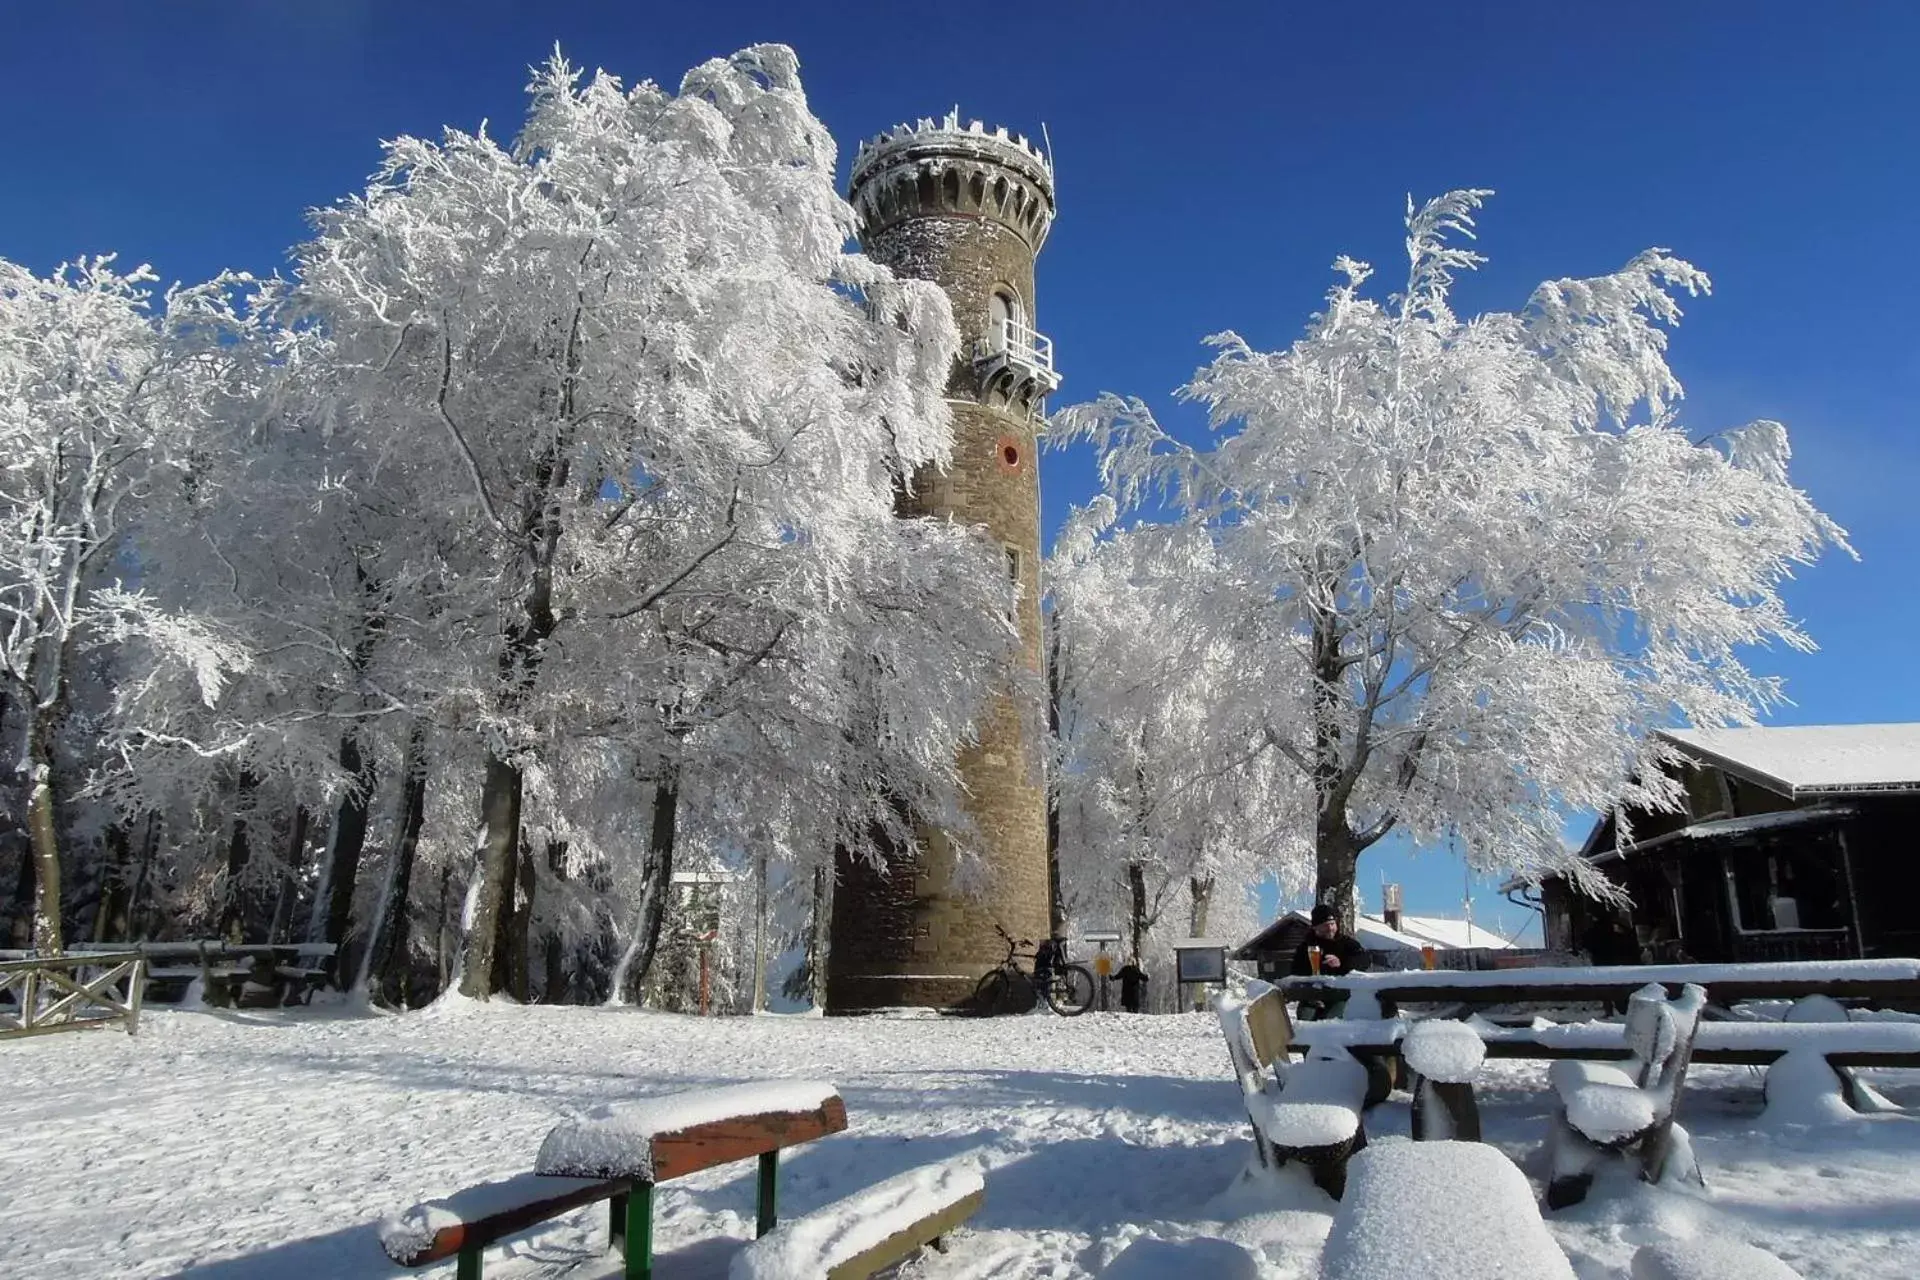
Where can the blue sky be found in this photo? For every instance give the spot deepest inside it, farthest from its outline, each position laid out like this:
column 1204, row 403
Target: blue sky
column 1212, row 159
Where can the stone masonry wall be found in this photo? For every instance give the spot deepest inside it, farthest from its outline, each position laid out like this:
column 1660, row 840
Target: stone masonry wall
column 915, row 936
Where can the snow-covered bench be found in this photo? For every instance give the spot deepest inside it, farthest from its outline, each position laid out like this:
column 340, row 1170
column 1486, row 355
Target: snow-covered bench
column 1629, row 1109
column 876, row 1227
column 1455, row 1209
column 1307, row 1112
column 1708, row 1258
column 239, row 973
column 618, row 1153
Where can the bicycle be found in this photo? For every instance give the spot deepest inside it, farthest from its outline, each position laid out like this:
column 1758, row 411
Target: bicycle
column 1066, row 985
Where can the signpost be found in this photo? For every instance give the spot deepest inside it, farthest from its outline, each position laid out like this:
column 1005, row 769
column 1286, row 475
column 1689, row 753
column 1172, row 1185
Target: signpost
column 1102, row 961
column 1200, row 962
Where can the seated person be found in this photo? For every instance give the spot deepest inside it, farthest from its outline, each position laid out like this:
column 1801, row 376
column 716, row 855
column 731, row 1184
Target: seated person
column 1340, row 952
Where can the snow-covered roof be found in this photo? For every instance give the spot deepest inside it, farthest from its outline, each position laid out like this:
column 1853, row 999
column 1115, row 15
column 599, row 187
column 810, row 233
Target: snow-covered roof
column 1414, row 932
column 1813, row 759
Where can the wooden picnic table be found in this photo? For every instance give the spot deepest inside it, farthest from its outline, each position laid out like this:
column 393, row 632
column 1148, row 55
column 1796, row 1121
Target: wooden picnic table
column 1751, row 1044
column 1882, row 981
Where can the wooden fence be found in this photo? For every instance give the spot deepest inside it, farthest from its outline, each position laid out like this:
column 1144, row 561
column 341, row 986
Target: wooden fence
column 41, row 994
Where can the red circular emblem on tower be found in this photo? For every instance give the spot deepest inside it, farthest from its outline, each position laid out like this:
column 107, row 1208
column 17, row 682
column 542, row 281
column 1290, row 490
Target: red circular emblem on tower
column 1009, row 451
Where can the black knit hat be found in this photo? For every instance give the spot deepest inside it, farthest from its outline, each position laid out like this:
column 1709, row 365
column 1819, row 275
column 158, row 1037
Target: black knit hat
column 1324, row 912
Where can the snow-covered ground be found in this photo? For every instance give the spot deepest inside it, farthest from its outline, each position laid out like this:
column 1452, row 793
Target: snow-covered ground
column 231, row 1145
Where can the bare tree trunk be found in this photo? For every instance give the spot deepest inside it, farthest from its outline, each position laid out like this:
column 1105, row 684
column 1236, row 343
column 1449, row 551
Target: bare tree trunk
column 1137, row 893
column 292, row 867
column 447, row 945
column 1056, row 906
column 656, row 882
column 233, row 910
column 1200, row 893
column 514, row 927
column 498, row 852
column 110, row 916
column 1336, row 868
column 22, row 929
column 43, row 831
column 346, row 843
column 822, row 939
column 759, row 998
column 387, row 940
column 553, row 987
column 139, row 917
column 1336, row 852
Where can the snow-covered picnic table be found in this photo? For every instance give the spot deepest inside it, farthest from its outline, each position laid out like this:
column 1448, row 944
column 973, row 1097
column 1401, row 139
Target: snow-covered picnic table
column 1756, row 1044
column 1725, row 984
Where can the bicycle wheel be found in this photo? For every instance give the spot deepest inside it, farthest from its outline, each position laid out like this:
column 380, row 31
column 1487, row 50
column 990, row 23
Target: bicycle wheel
column 1001, row 992
column 1071, row 991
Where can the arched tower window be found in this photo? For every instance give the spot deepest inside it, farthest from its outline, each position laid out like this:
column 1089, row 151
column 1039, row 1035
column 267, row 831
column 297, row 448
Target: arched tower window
column 1003, row 310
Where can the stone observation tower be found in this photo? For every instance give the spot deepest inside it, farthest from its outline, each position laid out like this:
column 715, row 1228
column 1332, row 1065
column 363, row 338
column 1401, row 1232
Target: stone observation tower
column 968, row 209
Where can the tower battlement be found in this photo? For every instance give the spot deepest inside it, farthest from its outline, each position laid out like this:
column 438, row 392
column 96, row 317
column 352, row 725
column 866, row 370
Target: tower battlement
column 935, row 167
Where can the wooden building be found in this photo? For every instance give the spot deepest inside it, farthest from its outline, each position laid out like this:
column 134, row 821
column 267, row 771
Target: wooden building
column 1796, row 843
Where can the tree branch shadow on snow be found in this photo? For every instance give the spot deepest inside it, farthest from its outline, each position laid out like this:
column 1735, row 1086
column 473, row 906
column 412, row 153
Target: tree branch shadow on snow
column 1168, row 1098
column 556, row 1249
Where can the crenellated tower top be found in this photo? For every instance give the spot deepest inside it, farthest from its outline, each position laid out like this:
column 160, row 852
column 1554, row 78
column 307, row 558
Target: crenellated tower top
column 934, row 167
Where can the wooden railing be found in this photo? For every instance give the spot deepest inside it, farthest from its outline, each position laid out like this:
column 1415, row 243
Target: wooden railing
column 41, row 994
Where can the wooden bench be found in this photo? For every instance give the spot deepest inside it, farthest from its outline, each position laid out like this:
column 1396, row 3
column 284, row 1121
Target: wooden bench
column 1307, row 1112
column 873, row 1228
column 1628, row 1111
column 618, row 1154
column 1437, row 1209
column 230, row 973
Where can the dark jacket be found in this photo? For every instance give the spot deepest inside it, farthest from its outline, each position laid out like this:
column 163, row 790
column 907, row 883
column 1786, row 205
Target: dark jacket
column 1353, row 957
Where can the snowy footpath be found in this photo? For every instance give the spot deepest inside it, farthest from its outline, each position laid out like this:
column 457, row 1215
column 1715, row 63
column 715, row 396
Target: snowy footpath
column 228, row 1145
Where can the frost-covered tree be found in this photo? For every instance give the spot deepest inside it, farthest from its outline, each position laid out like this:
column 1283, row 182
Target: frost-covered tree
column 1157, row 806
column 99, row 396
column 1462, row 564
column 655, row 417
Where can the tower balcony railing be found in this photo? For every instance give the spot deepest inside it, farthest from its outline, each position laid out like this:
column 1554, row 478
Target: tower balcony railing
column 1018, row 350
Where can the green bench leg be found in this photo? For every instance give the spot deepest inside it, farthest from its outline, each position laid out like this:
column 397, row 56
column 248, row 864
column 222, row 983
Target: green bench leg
column 769, row 1192
column 617, row 1224
column 468, row 1267
column 639, row 1232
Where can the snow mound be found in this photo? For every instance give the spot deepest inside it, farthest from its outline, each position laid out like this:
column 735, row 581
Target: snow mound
column 1319, row 1107
column 1460, row 1210
column 1708, row 1258
column 616, row 1140
column 1569, row 1075
column 1443, row 1050
column 1609, row 1112
column 1803, row 1089
column 809, row 1247
column 1151, row 1258
column 405, row 1235
column 1816, row 1009
column 1298, row 1125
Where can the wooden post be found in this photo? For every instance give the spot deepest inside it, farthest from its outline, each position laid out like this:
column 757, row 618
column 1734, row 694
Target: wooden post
column 639, row 1232
column 468, row 1267
column 769, row 1206
column 617, row 1224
